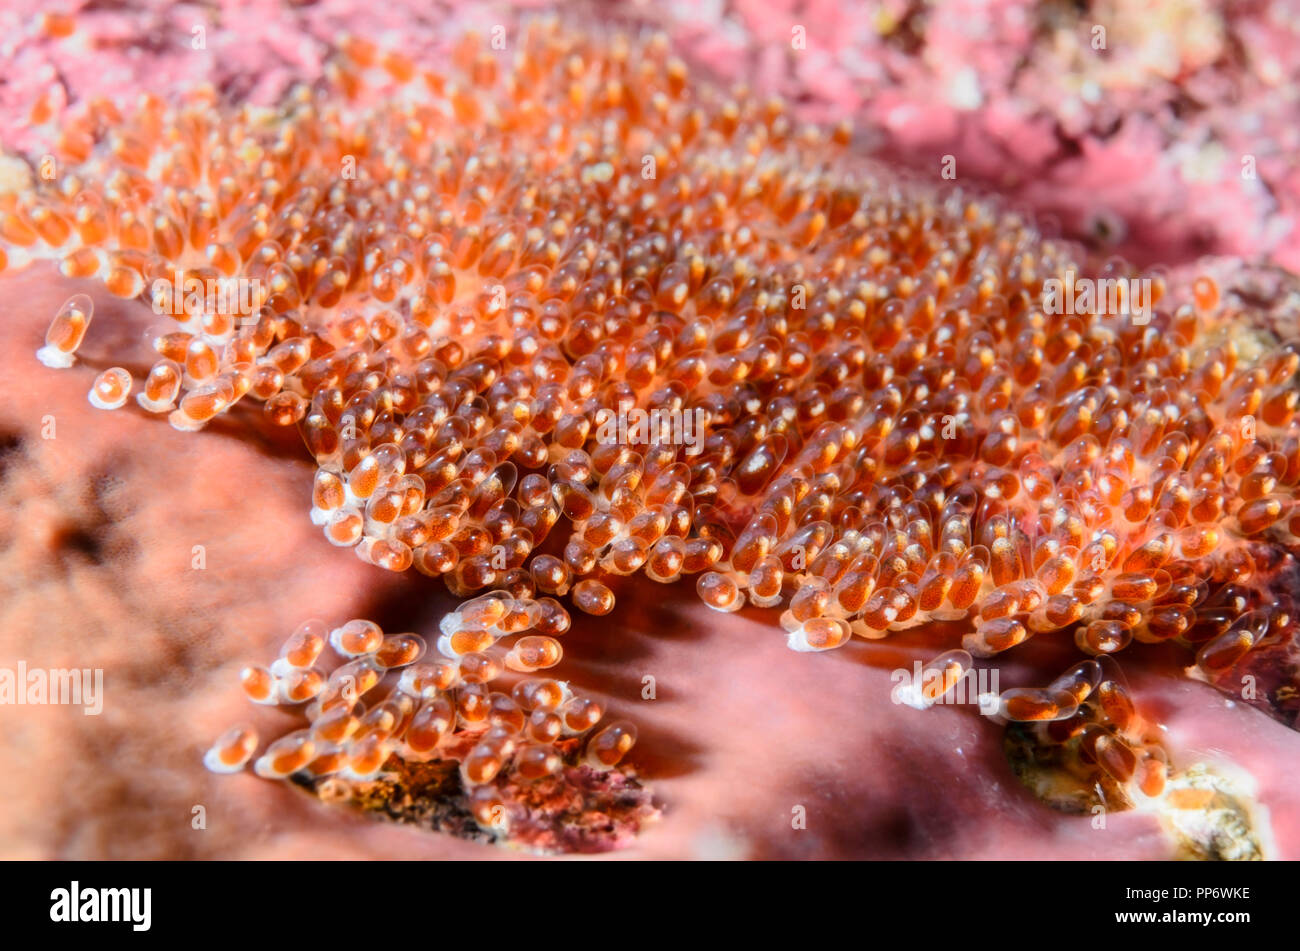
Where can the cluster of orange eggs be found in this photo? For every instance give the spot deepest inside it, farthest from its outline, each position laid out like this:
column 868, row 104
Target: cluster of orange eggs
column 459, row 275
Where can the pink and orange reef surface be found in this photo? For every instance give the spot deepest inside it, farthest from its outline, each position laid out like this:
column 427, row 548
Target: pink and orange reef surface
column 552, row 311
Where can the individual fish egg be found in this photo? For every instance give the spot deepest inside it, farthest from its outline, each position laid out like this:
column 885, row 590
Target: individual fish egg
column 286, row 756
column 110, row 389
column 232, row 750
column 66, row 332
column 608, row 747
column 357, row 638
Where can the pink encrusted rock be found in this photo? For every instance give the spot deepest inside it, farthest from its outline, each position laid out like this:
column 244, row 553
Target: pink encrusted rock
column 1014, row 90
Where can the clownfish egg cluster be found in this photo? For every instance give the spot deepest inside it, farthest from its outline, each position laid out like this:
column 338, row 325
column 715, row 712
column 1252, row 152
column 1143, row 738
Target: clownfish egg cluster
column 1086, row 722
column 462, row 275
column 388, row 696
